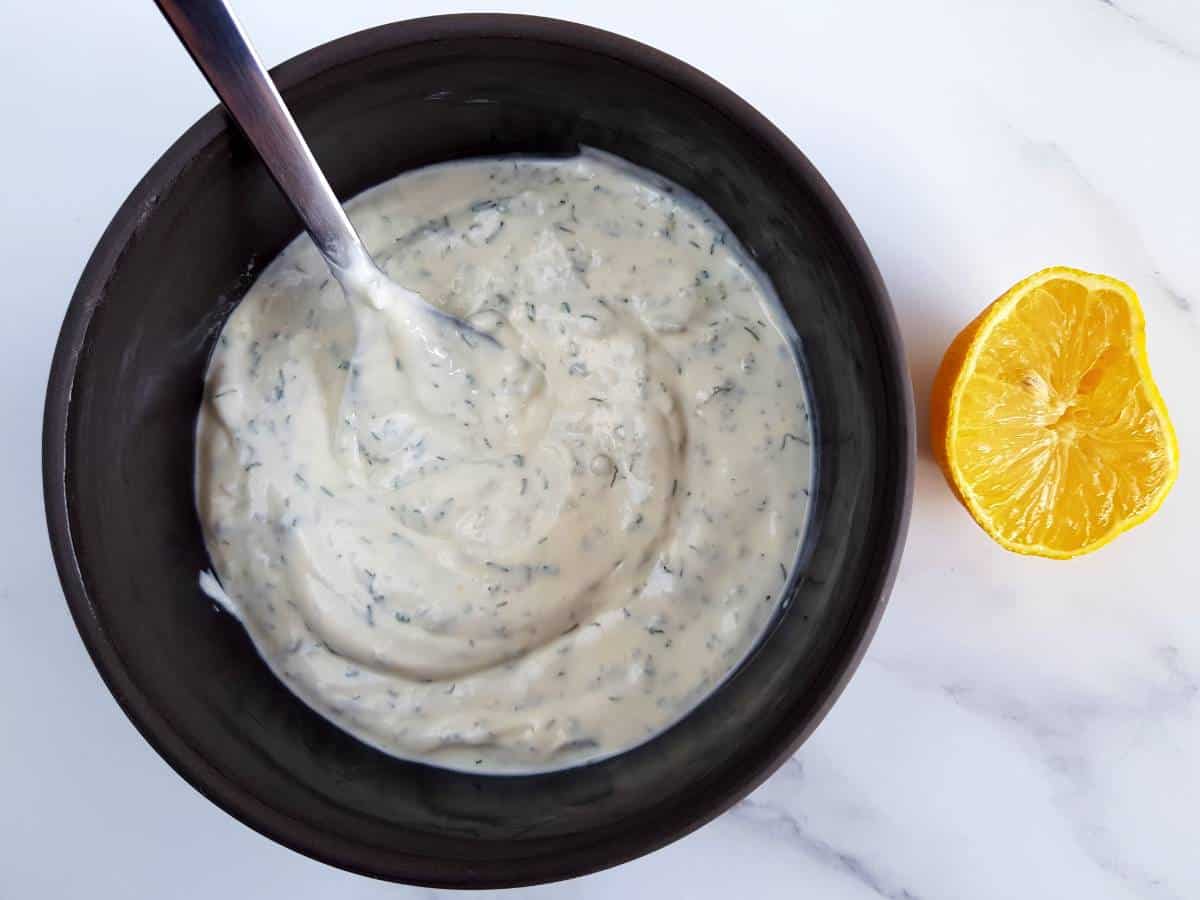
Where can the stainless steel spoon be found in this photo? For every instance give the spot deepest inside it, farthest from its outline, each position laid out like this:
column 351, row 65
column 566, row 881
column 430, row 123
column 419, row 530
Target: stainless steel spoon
column 217, row 44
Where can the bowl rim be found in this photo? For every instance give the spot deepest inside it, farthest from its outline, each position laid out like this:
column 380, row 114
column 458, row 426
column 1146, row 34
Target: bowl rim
column 211, row 782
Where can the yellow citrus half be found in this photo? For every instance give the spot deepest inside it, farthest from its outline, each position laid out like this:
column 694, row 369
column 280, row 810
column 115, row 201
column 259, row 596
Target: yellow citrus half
column 1046, row 420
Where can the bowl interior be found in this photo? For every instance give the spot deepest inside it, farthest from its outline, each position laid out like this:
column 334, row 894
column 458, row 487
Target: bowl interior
column 127, row 384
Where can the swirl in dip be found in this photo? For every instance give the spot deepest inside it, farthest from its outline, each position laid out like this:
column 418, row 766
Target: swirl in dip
column 517, row 557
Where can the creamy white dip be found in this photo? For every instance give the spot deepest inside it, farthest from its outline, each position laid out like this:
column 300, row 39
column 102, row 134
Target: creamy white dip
column 522, row 557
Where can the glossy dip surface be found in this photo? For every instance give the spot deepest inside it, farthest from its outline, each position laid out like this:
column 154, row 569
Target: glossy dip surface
column 520, row 555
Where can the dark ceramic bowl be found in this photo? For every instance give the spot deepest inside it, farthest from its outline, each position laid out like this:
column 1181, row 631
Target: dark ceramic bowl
column 126, row 384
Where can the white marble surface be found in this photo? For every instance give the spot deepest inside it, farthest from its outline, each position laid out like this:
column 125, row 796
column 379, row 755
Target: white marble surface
column 1020, row 728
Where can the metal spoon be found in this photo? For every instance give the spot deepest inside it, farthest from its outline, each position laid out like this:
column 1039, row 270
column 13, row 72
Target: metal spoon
column 217, row 44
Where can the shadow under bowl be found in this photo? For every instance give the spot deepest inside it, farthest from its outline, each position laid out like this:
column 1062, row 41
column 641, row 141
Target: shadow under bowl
column 125, row 390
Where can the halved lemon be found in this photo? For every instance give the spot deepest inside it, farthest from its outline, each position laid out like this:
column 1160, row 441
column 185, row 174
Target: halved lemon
column 1046, row 420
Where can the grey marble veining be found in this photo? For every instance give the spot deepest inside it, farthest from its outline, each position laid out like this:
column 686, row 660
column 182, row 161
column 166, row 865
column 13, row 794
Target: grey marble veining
column 1148, row 26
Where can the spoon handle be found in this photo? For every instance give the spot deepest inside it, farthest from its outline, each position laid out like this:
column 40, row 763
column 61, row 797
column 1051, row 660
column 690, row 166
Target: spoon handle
column 217, row 44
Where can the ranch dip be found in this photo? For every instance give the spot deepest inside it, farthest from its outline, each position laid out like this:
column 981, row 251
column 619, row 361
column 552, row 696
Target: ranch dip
column 530, row 545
